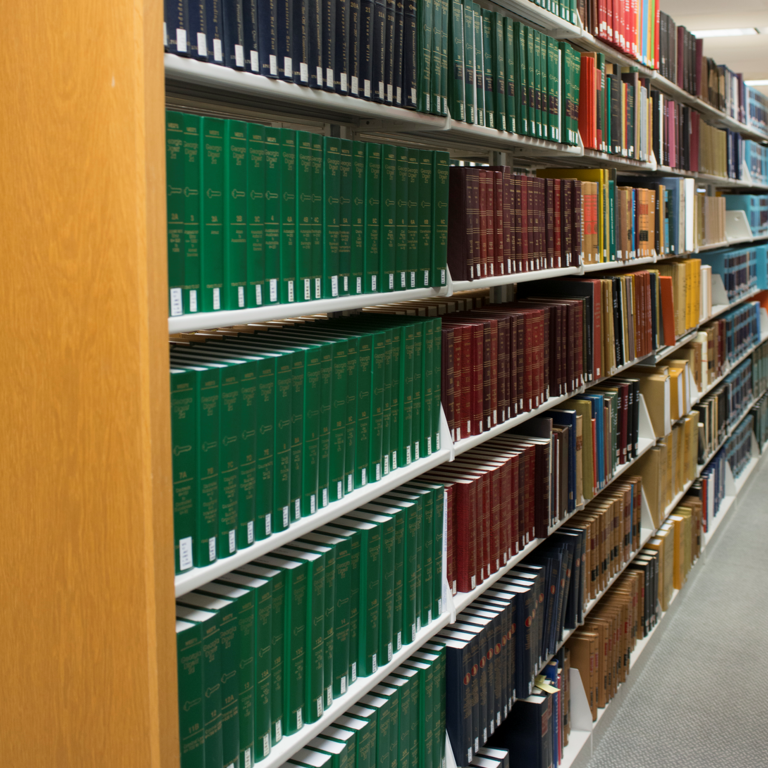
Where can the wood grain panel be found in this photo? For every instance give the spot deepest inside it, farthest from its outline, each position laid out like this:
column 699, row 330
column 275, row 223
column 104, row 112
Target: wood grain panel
column 86, row 575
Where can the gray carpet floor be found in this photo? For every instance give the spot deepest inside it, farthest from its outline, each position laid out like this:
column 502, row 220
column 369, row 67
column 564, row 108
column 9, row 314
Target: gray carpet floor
column 701, row 699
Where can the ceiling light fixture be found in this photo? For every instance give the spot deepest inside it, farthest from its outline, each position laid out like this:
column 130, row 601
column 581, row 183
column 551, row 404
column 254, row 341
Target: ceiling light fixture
column 702, row 33
column 756, row 82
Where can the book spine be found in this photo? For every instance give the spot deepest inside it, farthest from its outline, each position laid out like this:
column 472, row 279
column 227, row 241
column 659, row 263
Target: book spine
column 399, row 61
column 350, row 466
column 410, row 56
column 318, row 207
column 364, row 411
column 246, row 504
column 197, row 38
column 357, row 229
column 264, row 427
column 230, row 662
column 311, row 70
column 388, row 235
column 251, row 36
column 477, row 26
column 440, row 179
column 175, row 27
column 389, row 57
column 174, row 164
column 296, row 634
column 511, row 95
column 355, row 53
column 345, row 217
column 499, row 71
column 343, row 45
column 272, row 164
column 304, row 217
column 192, row 181
column 304, row 14
column 214, row 29
column 469, row 63
column 331, row 213
column 255, row 635
column 379, row 51
column 336, row 471
column 212, row 701
column 235, row 214
column 425, row 22
column 267, row 15
column 212, row 245
column 403, row 192
column 426, row 217
column 285, row 38
column 329, row 10
column 373, row 189
column 366, row 48
column 189, row 655
column 413, row 218
column 457, row 103
column 489, row 85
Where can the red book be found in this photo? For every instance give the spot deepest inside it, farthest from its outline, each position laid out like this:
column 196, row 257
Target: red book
column 577, row 224
column 486, row 181
column 549, row 194
column 483, row 472
column 584, row 90
column 460, row 235
column 509, row 240
column 459, row 384
column 498, row 222
column 517, row 230
column 524, row 242
column 557, row 234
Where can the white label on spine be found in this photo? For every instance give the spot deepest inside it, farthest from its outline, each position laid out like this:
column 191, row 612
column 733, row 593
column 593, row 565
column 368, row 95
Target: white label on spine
column 416, row 448
column 399, row 640
column 273, row 65
column 343, row 685
column 318, row 288
column 353, row 671
column 217, row 298
column 367, row 88
column 407, row 454
column 202, row 45
column 265, row 745
column 254, row 61
column 273, row 290
column 299, row 719
column 350, row 483
column 185, row 553
column 418, row 623
column 212, row 549
column 373, row 282
column 403, row 284
column 247, row 754
column 303, row 72
column 307, row 290
column 386, row 464
column 391, row 282
column 359, row 282
column 394, row 459
column 239, row 56
column 258, row 296
column 165, row 34
column 175, row 302
column 429, row 445
column 381, row 90
column 181, row 40
column 249, row 528
column 364, row 476
column 329, row 77
column 240, row 296
column 343, row 81
column 217, row 52
column 390, row 93
column 437, row 441
column 329, row 695
column 288, row 66
column 319, row 75
column 312, row 504
column 355, row 87
column 297, row 510
column 319, row 705
column 389, row 651
column 232, row 544
column 399, row 95
column 278, row 730
column 286, row 521
column 268, row 525
column 335, row 286
column 374, row 664
column 413, row 95
column 291, row 293
column 426, row 279
column 325, row 497
column 339, row 489
column 378, row 472
column 346, row 283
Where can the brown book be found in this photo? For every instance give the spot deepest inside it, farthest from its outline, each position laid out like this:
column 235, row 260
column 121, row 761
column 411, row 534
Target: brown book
column 460, row 225
column 485, row 246
column 667, row 310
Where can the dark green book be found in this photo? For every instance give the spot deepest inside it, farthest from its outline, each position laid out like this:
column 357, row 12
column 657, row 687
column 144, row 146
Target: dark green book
column 331, row 213
column 499, row 71
column 489, row 84
column 315, row 622
column 413, row 219
column 372, row 216
column 477, row 23
column 388, row 236
column 428, row 405
column 192, row 181
column 256, row 206
column 304, row 216
column 426, row 214
column 235, row 214
column 426, row 718
column 401, row 219
column 456, row 78
column 174, row 174
column 357, row 228
column 343, row 736
column 296, row 636
column 189, row 656
column 272, row 177
column 256, row 673
column 405, row 718
column 391, row 694
column 440, row 179
column 318, row 213
column 365, row 732
column 409, row 680
column 469, row 63
column 288, row 215
column 342, row 753
column 539, row 83
column 212, row 215
column 372, row 707
column 510, row 73
column 336, row 469
column 210, row 625
column 425, row 26
column 521, row 69
column 345, row 216
column 276, row 579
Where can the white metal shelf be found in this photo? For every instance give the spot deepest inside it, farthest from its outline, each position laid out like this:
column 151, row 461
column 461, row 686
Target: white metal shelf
column 518, row 277
column 602, row 266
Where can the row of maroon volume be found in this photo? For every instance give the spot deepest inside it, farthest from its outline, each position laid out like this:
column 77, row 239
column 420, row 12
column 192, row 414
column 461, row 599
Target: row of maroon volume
column 501, row 224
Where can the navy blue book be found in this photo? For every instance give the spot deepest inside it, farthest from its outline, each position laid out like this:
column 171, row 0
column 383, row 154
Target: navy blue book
column 329, row 44
column 562, row 417
column 267, row 13
column 399, row 43
column 197, row 40
column 214, row 30
column 300, row 38
column 354, row 47
column 343, row 40
column 285, row 33
column 234, row 39
column 410, row 67
column 459, row 723
column 526, row 732
column 175, row 27
column 366, row 48
column 389, row 60
column 379, row 50
column 251, row 35
column 315, row 43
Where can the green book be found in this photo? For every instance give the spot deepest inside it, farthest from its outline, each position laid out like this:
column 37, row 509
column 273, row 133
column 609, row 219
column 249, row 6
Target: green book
column 256, row 205
column 342, row 753
column 373, row 155
column 426, row 214
column 304, row 216
column 331, row 214
column 539, row 85
column 388, row 424
column 405, row 718
column 210, row 625
column 444, row 54
column 315, row 622
column 477, row 23
column 521, row 70
column 238, row 639
column 469, row 63
column 296, row 635
column 426, row 709
column 288, row 215
column 185, row 445
column 388, row 235
column 329, row 601
column 533, row 116
column 336, row 469
column 437, row 57
column 428, row 401
column 412, row 236
column 364, row 392
column 437, row 357
column 425, row 17
column 174, row 173
column 318, row 206
column 272, row 178
column 499, row 71
column 192, row 180
column 456, row 77
column 365, row 734
column 440, row 180
column 337, row 611
column 489, row 85
column 274, row 712
column 357, row 228
column 387, row 525
column 391, row 694
column 417, row 425
column 343, row 736
column 353, row 348
column 255, row 633
column 309, row 758
column 555, row 78
column 235, row 213
column 212, row 216
column 437, row 648
column 354, row 537
column 370, row 707
column 401, row 219
column 346, row 174
column 510, row 71
column 409, row 701
column 378, row 381
column 189, row 656
column 404, row 378
column 370, row 585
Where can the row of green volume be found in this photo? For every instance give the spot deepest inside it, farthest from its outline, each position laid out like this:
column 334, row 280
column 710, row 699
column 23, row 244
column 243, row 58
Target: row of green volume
column 264, row 650
column 268, row 427
column 260, row 215
column 508, row 76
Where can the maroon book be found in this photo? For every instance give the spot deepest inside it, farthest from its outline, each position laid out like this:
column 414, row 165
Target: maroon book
column 498, row 223
column 577, row 223
column 447, row 378
column 557, row 230
column 525, row 224
column 549, row 229
column 484, row 250
column 565, row 220
column 460, row 237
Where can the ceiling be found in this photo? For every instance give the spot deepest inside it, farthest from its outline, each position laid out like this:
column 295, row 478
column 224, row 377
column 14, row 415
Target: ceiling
column 748, row 54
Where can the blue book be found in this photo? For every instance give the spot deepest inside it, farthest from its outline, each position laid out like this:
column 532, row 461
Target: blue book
column 267, row 15
column 214, row 30
column 567, row 418
column 234, row 37
column 175, row 27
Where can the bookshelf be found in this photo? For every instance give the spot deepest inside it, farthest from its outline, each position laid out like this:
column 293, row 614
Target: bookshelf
column 87, row 422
